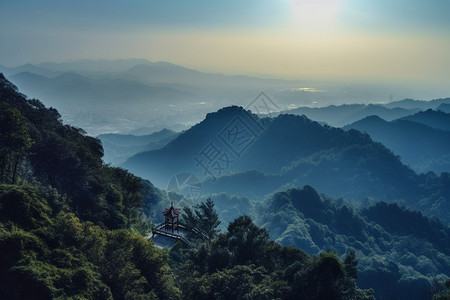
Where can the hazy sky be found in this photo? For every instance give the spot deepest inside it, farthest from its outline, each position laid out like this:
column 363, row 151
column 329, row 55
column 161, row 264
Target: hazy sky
column 405, row 40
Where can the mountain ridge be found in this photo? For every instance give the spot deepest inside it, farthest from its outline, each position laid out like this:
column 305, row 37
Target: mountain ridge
column 289, row 151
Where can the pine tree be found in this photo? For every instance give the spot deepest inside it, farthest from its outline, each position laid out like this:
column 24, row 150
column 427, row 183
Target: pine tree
column 209, row 219
column 203, row 219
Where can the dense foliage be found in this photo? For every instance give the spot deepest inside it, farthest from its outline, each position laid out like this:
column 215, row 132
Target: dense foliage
column 48, row 252
column 243, row 263
column 402, row 253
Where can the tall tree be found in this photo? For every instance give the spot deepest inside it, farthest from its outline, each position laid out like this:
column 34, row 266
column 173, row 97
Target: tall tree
column 204, row 219
column 209, row 219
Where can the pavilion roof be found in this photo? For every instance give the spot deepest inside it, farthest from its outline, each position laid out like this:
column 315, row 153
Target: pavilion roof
column 171, row 211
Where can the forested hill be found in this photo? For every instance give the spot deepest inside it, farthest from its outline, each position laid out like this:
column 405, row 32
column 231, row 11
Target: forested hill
column 71, row 228
column 400, row 252
column 66, row 219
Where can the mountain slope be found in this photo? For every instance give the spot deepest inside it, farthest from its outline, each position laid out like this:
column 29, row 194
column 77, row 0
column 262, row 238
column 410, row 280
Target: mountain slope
column 289, row 151
column 179, row 155
column 283, row 141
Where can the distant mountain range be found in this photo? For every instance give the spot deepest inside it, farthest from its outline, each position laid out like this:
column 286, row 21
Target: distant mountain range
column 72, row 90
column 120, row 96
column 125, row 95
column 421, row 140
column 423, row 105
column 139, row 72
column 101, row 66
column 343, row 115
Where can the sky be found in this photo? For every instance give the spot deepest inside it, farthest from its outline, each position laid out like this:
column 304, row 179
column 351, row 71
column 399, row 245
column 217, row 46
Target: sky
column 401, row 40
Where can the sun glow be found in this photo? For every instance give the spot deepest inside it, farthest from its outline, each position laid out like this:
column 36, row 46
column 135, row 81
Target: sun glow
column 313, row 15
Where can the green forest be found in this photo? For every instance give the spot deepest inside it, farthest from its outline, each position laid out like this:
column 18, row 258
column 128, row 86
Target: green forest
column 72, row 227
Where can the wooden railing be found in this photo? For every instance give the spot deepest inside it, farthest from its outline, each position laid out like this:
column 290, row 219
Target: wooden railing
column 160, row 230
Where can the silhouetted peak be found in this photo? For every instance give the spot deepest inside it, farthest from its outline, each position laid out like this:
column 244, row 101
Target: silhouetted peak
column 370, row 120
column 229, row 111
column 374, row 118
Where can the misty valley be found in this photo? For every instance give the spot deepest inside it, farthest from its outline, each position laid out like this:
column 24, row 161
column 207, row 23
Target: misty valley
column 129, row 179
